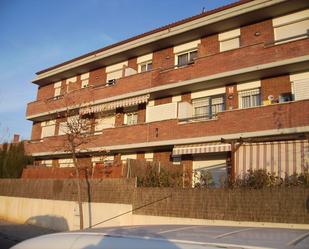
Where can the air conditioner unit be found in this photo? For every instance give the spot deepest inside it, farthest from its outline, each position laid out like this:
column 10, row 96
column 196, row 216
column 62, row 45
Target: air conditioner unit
column 111, row 82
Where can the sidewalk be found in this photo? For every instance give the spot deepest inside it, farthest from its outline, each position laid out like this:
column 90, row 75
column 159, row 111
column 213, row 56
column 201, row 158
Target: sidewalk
column 12, row 233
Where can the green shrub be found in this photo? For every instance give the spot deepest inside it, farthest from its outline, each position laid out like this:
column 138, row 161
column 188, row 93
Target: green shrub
column 203, row 179
column 13, row 160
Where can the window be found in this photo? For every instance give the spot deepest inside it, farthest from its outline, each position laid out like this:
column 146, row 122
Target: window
column 130, row 118
column 85, row 83
column 57, row 87
column 106, row 160
column 229, row 40
column 149, row 156
column 186, row 58
column 146, row 66
column 48, row 128
column 66, row 162
column 291, row 27
column 144, row 63
column 47, row 163
column 124, row 158
column 208, row 107
column 176, row 160
column 186, row 53
column 115, row 72
column 104, row 122
column 300, row 85
column 249, row 98
column 113, row 76
column 63, row 128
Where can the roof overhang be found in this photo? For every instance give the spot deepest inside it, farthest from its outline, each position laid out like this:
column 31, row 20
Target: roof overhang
column 237, row 16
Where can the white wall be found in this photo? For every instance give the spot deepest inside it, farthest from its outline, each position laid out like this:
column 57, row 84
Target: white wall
column 61, row 215
column 51, row 212
column 161, row 112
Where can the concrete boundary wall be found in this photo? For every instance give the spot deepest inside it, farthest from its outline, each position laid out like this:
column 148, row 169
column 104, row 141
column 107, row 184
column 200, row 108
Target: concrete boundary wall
column 62, row 215
column 54, row 201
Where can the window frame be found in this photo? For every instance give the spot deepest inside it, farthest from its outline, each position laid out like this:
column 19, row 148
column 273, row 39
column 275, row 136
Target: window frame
column 146, row 64
column 288, row 22
column 211, row 114
column 249, row 93
column 229, row 36
column 189, row 59
column 129, row 115
column 85, row 83
column 47, row 127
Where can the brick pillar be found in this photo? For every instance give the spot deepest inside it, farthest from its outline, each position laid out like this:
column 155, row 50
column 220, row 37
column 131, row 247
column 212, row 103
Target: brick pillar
column 231, row 97
column 117, row 159
column 132, row 63
column 209, row 45
column 187, row 164
column 186, row 97
column 140, row 156
column 119, row 117
column 141, row 117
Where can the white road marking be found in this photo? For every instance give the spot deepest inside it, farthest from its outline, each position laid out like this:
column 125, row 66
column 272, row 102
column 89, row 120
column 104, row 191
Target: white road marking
column 176, row 229
column 233, row 232
column 294, row 242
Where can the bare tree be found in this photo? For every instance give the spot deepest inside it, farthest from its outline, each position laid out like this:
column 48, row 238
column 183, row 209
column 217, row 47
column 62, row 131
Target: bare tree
column 76, row 128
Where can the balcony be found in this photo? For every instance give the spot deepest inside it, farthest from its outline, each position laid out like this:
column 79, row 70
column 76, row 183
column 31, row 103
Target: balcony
column 271, row 117
column 243, row 57
column 78, row 97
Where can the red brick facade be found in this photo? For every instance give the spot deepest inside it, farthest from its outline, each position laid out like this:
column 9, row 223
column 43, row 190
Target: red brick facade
column 223, row 69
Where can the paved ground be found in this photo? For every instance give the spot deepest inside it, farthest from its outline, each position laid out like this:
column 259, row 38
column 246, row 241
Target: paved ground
column 11, row 234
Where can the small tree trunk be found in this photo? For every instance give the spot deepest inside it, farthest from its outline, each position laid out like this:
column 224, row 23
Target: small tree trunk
column 79, row 192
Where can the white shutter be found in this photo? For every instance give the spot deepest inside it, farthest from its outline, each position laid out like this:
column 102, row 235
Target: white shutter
column 229, row 44
column 229, row 40
column 185, row 110
column 301, row 89
column 104, row 123
column 66, row 162
column 114, row 75
column 48, row 131
column 300, row 85
column 186, row 46
column 294, row 24
column 128, row 156
column 161, row 112
column 293, row 29
column 144, row 58
column 63, row 128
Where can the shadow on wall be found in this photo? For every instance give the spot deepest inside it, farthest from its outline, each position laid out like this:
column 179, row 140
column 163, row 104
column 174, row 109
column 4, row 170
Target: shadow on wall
column 56, row 223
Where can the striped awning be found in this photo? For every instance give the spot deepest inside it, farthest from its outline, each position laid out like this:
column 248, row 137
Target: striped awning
column 115, row 104
column 200, row 148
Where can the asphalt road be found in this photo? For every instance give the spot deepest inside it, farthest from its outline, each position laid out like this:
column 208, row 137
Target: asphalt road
column 11, row 233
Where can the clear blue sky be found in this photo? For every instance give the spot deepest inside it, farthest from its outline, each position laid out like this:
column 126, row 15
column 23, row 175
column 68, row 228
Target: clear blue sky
column 36, row 34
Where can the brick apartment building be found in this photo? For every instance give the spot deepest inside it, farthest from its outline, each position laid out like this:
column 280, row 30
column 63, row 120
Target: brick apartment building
column 226, row 90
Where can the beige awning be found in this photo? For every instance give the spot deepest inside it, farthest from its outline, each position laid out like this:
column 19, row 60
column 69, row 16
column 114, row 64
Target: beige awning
column 115, row 104
column 200, row 148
